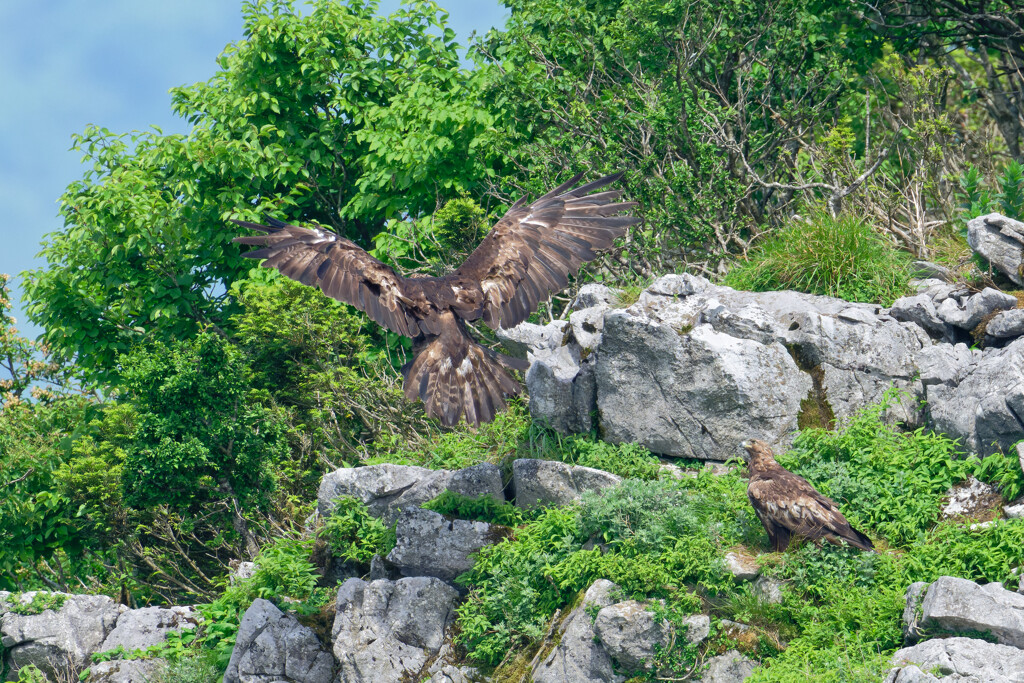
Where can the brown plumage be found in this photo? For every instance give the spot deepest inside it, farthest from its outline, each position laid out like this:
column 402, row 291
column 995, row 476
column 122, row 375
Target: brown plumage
column 527, row 255
column 788, row 505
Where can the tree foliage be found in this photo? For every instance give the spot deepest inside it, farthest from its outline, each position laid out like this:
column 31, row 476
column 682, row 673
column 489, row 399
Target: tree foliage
column 337, row 116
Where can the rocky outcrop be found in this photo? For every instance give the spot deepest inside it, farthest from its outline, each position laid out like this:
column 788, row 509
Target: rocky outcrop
column 388, row 631
column 428, row 544
column 955, row 605
column 578, row 658
column 387, row 489
column 548, row 482
column 631, row 635
column 1001, row 241
column 730, row 667
column 138, row 629
column 126, row 671
column 957, row 660
column 692, row 369
column 59, row 638
column 273, row 646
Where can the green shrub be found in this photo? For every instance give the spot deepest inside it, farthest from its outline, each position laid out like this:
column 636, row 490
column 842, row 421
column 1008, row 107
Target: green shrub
column 887, row 481
column 355, row 535
column 628, row 460
column 480, row 508
column 202, row 434
column 841, row 257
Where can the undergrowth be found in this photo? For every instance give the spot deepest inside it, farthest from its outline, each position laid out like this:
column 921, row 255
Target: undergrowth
column 665, row 540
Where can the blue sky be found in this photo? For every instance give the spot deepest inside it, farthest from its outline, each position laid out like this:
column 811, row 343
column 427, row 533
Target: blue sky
column 68, row 63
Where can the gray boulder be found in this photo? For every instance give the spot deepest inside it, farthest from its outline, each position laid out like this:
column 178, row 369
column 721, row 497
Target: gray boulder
column 548, row 482
column 1001, row 241
column 985, row 409
column 731, row 667
column 273, row 646
column 58, row 640
column 698, row 628
column 970, row 311
column 428, row 544
column 563, row 390
column 127, row 671
column 954, row 605
column 140, row 628
column 692, row 369
column 578, row 658
column 389, row 489
column 920, row 310
column 696, row 394
column 531, row 338
column 630, row 634
column 957, row 660
column 387, row 631
column 742, row 567
column 1006, row 324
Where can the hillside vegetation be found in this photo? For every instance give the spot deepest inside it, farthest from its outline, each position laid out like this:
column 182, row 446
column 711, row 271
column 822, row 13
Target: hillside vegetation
column 180, row 408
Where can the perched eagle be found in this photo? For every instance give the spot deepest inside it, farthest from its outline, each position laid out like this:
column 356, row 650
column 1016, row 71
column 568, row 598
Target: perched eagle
column 789, row 506
column 527, row 255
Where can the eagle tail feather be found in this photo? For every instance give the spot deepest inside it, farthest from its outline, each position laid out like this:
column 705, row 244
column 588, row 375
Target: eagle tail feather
column 461, row 379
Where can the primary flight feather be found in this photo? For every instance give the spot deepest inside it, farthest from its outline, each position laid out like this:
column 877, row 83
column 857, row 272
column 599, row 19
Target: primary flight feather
column 528, row 255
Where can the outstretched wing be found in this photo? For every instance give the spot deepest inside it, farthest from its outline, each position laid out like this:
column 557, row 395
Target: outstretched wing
column 319, row 257
column 788, row 501
column 533, row 249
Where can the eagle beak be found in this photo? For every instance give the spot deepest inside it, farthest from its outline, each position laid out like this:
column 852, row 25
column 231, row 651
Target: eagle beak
column 746, row 446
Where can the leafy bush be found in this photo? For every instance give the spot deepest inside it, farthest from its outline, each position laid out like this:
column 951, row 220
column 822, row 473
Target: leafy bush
column 841, row 257
column 888, row 481
column 480, row 508
column 628, row 460
column 662, row 538
column 355, row 535
column 202, row 434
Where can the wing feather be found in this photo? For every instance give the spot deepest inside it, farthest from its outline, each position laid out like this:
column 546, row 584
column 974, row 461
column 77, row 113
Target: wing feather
column 342, row 270
column 534, row 248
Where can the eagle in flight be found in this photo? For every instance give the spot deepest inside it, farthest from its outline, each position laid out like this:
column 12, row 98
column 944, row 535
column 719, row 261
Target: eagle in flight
column 526, row 256
column 788, row 505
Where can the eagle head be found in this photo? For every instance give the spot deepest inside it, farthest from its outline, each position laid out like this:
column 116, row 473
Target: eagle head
column 758, row 452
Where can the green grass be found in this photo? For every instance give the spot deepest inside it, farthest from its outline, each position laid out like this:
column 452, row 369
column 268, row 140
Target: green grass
column 841, row 257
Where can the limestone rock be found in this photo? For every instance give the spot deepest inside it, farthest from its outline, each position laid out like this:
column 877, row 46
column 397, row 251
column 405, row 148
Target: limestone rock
column 698, row 394
column 388, row 489
column 126, row 671
column 531, row 338
column 957, row 660
column 427, row 544
column 970, row 498
column 563, row 390
column 630, row 634
column 387, row 631
column 57, row 639
column 930, row 270
column 985, row 409
column 1006, row 324
column 975, row 308
column 698, row 628
column 920, row 310
column 1001, row 241
column 140, row 628
column 731, row 667
column 548, row 482
column 742, row 567
column 578, row 658
column 955, row 605
column 273, row 646
column 594, row 294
